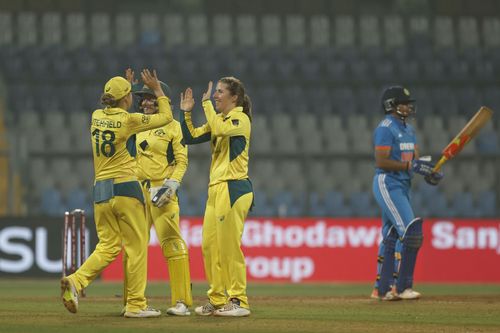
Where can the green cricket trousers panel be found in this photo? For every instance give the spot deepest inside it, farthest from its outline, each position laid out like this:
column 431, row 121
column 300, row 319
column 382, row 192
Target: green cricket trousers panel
column 224, row 261
column 119, row 221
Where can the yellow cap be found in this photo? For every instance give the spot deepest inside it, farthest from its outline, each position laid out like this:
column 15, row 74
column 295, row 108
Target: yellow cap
column 117, row 87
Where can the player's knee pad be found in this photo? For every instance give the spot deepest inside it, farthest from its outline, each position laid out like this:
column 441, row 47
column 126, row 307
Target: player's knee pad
column 389, row 241
column 176, row 253
column 387, row 265
column 413, row 237
column 174, row 247
column 412, row 241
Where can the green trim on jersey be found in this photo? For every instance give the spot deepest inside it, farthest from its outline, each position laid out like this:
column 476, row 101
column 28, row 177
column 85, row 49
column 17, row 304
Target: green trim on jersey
column 131, row 147
column 104, row 190
column 129, row 189
column 187, row 136
column 236, row 146
column 170, row 153
column 238, row 188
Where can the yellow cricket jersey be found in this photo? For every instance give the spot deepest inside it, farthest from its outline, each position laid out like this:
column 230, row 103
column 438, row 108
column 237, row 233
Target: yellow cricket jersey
column 161, row 154
column 229, row 137
column 110, row 130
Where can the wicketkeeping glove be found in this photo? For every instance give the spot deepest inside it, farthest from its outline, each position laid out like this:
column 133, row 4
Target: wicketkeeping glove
column 165, row 193
column 153, row 191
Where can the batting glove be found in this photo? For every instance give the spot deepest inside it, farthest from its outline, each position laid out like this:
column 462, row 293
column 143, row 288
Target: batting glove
column 165, row 193
column 434, row 178
column 421, row 167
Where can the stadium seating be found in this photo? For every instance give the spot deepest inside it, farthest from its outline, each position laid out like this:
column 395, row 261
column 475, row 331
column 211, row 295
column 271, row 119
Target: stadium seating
column 315, row 82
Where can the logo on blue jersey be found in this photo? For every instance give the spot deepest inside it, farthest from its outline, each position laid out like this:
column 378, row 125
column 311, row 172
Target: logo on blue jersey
column 406, row 146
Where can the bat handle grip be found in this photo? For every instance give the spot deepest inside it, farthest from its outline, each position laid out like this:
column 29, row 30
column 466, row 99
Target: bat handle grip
column 439, row 164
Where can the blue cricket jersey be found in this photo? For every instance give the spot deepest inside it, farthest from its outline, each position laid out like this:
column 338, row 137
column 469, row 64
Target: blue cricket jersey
column 392, row 134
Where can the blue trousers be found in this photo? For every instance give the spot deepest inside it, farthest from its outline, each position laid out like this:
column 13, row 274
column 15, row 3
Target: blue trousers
column 393, row 197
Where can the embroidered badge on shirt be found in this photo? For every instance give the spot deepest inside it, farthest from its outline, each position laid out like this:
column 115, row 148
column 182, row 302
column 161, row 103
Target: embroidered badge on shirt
column 143, row 145
column 159, row 132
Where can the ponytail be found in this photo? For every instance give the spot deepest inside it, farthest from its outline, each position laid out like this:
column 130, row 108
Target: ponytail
column 108, row 101
column 236, row 88
column 247, row 106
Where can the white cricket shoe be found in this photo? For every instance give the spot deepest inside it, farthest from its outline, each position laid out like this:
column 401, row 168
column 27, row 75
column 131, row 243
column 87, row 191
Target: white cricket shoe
column 232, row 309
column 148, row 312
column 180, row 309
column 390, row 296
column 374, row 294
column 69, row 295
column 409, row 294
column 205, row 310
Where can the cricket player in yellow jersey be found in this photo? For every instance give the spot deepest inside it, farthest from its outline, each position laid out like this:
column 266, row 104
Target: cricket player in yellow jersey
column 162, row 161
column 118, row 199
column 230, row 193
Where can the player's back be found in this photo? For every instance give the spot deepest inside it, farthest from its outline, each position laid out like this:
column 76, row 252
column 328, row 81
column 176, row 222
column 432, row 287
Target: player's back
column 109, row 133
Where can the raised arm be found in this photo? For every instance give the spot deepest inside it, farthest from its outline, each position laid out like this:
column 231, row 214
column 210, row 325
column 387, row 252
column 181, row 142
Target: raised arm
column 191, row 134
column 140, row 122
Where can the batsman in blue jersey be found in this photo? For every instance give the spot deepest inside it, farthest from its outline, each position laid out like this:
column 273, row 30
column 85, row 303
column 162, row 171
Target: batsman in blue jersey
column 397, row 159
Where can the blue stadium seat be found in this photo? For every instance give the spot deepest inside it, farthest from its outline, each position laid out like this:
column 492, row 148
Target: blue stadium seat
column 78, row 198
column 187, row 206
column 262, row 205
column 336, row 70
column 288, row 205
column 362, row 204
column 486, row 203
column 492, row 97
column 384, row 71
column 434, row 71
column 317, row 206
column 360, row 70
column 443, row 101
column 310, row 71
column 458, row 70
column 469, row 100
column 51, row 202
column 462, row 204
column 438, row 206
column 336, row 205
column 488, row 143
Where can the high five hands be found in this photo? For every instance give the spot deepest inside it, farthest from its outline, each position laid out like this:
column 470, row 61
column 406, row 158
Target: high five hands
column 208, row 93
column 151, row 80
column 187, row 100
column 129, row 75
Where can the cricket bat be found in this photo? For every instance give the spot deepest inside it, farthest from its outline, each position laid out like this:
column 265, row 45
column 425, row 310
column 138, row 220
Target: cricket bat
column 467, row 133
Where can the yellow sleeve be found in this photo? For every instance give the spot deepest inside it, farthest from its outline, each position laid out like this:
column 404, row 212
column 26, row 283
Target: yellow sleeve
column 139, row 122
column 222, row 126
column 191, row 134
column 180, row 155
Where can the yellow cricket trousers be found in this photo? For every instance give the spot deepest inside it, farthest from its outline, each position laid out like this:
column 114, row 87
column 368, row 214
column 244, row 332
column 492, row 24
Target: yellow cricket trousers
column 120, row 221
column 175, row 251
column 227, row 207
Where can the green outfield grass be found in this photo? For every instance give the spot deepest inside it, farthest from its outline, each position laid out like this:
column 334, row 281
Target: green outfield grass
column 34, row 306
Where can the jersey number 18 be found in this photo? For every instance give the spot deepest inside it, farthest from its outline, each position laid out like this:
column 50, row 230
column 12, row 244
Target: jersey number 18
column 107, row 148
